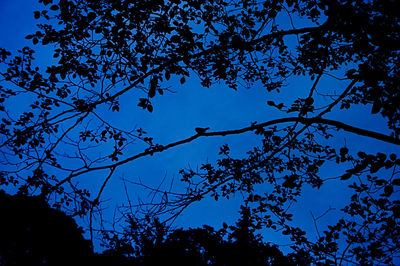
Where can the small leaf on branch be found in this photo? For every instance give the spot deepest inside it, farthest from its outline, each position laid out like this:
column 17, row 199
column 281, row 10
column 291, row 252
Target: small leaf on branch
column 345, row 176
column 36, row 14
column 54, row 7
column 388, row 190
column 396, row 182
column 376, row 107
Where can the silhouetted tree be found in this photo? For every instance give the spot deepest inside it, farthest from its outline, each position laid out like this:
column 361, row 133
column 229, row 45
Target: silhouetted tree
column 32, row 233
column 104, row 50
column 151, row 244
column 35, row 234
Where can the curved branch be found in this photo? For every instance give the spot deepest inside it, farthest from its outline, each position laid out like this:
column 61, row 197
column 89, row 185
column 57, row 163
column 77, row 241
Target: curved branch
column 314, row 120
column 303, row 120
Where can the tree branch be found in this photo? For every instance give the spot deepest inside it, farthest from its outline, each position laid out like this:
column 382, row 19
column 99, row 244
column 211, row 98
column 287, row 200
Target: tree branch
column 303, row 120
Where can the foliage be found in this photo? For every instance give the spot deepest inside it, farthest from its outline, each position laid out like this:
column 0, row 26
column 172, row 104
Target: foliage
column 103, row 51
column 34, row 234
column 152, row 244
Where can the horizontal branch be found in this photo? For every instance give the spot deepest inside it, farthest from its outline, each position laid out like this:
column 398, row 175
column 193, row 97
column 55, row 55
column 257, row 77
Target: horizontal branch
column 303, row 120
column 308, row 121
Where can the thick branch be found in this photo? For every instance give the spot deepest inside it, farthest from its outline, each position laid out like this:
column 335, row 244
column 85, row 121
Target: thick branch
column 303, row 120
column 317, row 120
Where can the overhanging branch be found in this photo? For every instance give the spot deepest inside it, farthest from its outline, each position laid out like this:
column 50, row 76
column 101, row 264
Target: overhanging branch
column 303, row 120
column 316, row 120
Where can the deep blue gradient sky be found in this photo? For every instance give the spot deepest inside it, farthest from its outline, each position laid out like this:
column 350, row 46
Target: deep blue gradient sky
column 177, row 114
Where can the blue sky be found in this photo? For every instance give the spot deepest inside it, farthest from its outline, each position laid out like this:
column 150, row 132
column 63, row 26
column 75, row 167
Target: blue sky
column 177, row 114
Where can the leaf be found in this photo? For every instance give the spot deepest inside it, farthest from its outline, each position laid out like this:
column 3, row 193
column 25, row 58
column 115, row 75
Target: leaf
column 167, row 75
column 389, row 164
column 153, row 86
column 350, row 73
column 271, row 103
column 36, row 14
column 91, row 16
column 54, row 7
column 143, row 103
column 388, row 190
column 152, row 92
column 376, row 107
column 115, row 108
column 344, row 151
column 175, row 39
column 375, row 167
column 345, row 176
column 183, row 80
column 380, row 182
column 396, row 211
column 362, row 155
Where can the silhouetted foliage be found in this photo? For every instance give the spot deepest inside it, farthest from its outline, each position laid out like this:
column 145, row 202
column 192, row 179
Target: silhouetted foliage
column 105, row 50
column 32, row 233
column 152, row 244
column 35, row 234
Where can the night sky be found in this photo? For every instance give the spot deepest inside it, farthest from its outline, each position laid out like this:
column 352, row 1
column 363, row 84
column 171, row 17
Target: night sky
column 175, row 116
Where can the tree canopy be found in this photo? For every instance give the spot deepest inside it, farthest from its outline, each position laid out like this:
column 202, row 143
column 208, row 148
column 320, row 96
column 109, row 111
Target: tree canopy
column 109, row 54
column 152, row 244
column 32, row 233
